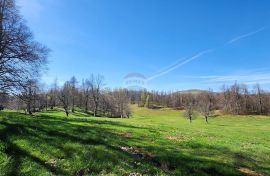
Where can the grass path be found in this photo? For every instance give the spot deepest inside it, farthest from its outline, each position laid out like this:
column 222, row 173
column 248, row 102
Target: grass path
column 152, row 142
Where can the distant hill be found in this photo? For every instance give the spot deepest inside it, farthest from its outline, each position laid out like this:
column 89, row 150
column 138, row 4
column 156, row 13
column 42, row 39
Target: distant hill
column 192, row 91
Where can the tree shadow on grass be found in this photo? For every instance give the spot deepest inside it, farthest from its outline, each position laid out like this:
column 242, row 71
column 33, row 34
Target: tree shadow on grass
column 103, row 147
column 88, row 121
column 17, row 153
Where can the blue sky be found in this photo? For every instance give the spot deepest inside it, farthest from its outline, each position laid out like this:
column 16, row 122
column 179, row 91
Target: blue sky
column 176, row 44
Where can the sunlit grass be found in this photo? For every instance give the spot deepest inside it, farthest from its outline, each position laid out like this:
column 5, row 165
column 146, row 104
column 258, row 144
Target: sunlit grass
column 151, row 142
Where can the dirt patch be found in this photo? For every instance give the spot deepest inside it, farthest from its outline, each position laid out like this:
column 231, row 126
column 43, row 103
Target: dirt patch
column 52, row 163
column 249, row 172
column 142, row 154
column 172, row 138
column 123, row 134
column 133, row 174
column 137, row 152
column 177, row 138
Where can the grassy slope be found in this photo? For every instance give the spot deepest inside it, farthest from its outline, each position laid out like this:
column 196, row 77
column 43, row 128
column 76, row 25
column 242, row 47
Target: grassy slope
column 164, row 143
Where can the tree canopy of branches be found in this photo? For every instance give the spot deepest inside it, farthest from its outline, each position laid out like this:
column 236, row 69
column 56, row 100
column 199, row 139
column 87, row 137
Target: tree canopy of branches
column 65, row 97
column 96, row 83
column 205, row 104
column 73, row 83
column 89, row 97
column 29, row 94
column 21, row 57
column 190, row 105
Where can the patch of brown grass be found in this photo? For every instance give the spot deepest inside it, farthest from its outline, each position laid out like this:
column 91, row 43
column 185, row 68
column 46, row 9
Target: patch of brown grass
column 123, row 134
column 177, row 138
column 249, row 172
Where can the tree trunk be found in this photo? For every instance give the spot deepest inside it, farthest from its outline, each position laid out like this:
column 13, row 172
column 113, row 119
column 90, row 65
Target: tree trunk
column 86, row 105
column 95, row 109
column 206, row 119
column 29, row 108
column 95, row 112
column 67, row 113
column 66, row 110
column 73, row 105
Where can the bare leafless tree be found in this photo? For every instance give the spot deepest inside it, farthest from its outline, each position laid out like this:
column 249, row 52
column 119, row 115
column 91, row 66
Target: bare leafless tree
column 73, row 82
column 29, row 93
column 21, row 57
column 65, row 97
column 190, row 105
column 259, row 99
column 53, row 94
column 122, row 101
column 96, row 83
column 86, row 94
column 205, row 104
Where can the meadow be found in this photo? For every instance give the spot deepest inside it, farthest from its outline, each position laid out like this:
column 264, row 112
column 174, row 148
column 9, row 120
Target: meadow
column 150, row 142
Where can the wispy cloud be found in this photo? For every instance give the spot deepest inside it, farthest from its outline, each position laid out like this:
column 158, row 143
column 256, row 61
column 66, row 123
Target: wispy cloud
column 178, row 65
column 250, row 78
column 171, row 65
column 245, row 35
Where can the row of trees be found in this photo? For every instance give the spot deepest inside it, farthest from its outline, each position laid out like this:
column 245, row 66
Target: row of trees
column 89, row 97
column 235, row 99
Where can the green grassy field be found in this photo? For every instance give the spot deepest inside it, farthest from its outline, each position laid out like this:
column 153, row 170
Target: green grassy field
column 151, row 142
